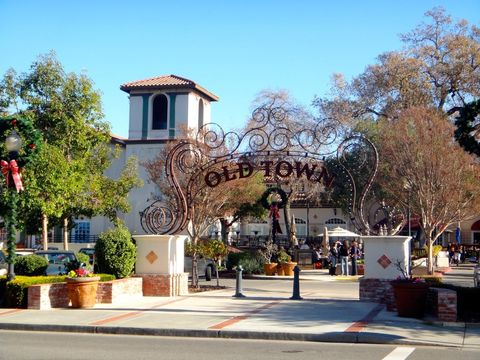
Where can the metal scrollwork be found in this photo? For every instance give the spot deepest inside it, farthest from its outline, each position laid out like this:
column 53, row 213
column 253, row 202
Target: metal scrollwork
column 214, row 157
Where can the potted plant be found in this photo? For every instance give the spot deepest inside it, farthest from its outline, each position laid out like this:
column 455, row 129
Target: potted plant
column 267, row 253
column 410, row 294
column 285, row 265
column 82, row 288
column 361, row 267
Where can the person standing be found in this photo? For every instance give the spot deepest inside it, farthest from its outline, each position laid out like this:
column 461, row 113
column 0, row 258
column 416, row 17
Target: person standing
column 332, row 259
column 343, row 252
column 354, row 255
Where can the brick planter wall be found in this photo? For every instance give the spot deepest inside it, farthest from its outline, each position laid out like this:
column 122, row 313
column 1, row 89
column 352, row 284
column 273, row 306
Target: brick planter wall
column 379, row 291
column 48, row 296
column 441, row 303
column 164, row 285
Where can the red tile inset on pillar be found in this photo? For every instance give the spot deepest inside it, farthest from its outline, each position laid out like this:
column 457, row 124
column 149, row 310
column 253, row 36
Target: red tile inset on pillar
column 151, row 257
column 384, row 261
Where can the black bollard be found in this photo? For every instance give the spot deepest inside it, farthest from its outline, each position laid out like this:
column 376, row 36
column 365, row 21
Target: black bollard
column 238, row 290
column 296, row 284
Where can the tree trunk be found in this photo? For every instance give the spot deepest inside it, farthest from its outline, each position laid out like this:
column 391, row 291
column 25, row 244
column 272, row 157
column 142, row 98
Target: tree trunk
column 45, row 231
column 194, row 270
column 224, row 229
column 430, row 256
column 216, row 270
column 65, row 234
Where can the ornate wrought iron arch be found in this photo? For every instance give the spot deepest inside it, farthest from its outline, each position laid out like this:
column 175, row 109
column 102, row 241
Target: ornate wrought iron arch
column 214, row 156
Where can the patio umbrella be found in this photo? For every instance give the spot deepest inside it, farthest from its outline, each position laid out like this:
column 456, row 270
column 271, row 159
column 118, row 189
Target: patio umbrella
column 340, row 232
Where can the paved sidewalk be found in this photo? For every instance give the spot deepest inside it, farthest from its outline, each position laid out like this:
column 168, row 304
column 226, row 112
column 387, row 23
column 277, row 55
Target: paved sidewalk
column 330, row 311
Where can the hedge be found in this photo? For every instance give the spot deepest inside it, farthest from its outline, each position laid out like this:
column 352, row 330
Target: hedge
column 14, row 294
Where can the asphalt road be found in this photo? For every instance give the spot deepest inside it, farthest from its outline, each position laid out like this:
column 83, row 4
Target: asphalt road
column 65, row 346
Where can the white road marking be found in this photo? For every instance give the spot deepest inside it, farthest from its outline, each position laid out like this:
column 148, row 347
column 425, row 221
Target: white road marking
column 400, row 353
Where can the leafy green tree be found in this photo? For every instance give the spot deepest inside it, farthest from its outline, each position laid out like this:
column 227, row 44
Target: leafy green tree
column 215, row 250
column 67, row 110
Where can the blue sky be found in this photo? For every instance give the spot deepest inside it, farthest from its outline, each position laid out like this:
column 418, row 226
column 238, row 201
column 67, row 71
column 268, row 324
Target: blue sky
column 235, row 49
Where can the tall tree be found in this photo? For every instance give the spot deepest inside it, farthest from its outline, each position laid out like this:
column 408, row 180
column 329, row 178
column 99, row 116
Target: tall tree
column 67, row 110
column 425, row 169
column 439, row 67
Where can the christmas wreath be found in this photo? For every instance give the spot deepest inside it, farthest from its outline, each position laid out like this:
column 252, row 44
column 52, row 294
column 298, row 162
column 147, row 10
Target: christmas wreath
column 30, row 136
column 266, row 199
column 11, row 163
column 467, row 125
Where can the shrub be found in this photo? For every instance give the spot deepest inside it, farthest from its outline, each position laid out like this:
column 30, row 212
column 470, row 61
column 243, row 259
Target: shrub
column 30, row 265
column 252, row 265
column 283, row 257
column 435, row 250
column 115, row 253
column 234, row 258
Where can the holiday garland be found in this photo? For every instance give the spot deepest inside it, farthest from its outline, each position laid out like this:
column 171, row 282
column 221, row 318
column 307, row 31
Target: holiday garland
column 30, row 137
column 11, row 168
column 466, row 126
column 265, row 198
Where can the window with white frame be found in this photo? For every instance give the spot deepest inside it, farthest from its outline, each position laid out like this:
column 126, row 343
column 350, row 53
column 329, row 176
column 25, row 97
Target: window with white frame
column 81, row 232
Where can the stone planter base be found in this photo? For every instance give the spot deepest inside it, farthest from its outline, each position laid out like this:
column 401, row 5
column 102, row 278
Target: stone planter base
column 164, row 285
column 82, row 292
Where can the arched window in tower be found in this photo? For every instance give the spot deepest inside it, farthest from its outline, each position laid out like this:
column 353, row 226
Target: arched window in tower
column 160, row 112
column 200, row 113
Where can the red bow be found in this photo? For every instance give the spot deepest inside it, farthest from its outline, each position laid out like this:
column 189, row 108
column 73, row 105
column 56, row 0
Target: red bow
column 13, row 169
column 274, row 212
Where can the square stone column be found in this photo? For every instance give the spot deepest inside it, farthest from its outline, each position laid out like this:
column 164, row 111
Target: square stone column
column 160, row 263
column 381, row 256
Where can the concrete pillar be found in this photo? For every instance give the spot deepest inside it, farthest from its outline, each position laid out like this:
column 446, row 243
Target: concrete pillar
column 160, row 263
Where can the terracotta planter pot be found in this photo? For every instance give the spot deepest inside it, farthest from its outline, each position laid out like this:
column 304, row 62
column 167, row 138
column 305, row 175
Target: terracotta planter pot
column 280, row 271
column 270, row 268
column 361, row 269
column 410, row 298
column 288, row 268
column 82, row 292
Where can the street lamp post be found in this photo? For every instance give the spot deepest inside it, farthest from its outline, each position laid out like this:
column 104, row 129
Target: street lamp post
column 10, row 168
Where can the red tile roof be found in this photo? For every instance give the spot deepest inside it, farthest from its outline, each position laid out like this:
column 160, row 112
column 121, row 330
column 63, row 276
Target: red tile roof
column 167, row 82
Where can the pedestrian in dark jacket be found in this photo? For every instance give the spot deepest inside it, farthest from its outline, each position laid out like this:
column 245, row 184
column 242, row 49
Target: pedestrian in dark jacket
column 354, row 255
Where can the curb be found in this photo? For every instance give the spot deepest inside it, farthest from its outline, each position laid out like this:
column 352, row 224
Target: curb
column 335, row 337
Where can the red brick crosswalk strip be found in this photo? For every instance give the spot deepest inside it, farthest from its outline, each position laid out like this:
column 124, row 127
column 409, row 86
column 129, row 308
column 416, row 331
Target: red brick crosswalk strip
column 8, row 312
column 132, row 313
column 361, row 324
column 239, row 318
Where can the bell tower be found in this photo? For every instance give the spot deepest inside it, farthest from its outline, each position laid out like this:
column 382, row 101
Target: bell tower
column 159, row 106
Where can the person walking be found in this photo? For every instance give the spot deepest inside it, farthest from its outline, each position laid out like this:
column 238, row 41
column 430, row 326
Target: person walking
column 354, row 255
column 343, row 252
